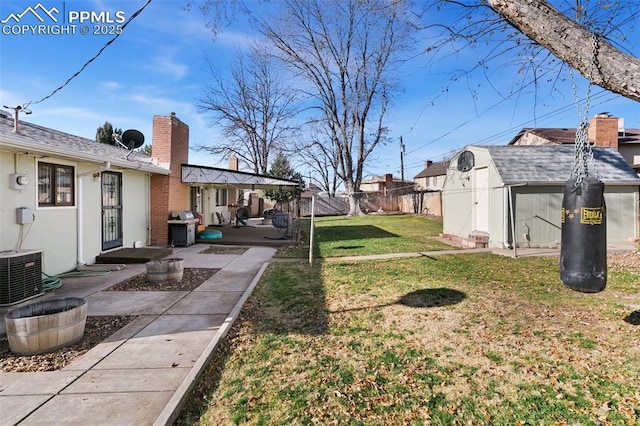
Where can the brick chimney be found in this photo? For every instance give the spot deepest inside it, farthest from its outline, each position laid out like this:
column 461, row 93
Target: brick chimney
column 233, row 163
column 428, row 163
column 603, row 131
column 170, row 145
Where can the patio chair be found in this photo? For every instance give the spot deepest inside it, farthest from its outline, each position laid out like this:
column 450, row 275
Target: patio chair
column 281, row 220
column 220, row 219
column 242, row 215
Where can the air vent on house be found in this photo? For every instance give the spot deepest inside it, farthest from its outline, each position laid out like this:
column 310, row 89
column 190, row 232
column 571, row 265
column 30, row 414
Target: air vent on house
column 20, row 276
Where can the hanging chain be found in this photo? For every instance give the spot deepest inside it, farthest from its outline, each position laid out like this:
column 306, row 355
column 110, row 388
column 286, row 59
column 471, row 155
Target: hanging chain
column 583, row 151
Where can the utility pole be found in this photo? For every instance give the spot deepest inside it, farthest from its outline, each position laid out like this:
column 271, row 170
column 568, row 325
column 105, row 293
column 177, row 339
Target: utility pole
column 401, row 160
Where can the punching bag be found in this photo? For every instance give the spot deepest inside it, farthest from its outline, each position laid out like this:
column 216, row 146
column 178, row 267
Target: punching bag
column 583, row 253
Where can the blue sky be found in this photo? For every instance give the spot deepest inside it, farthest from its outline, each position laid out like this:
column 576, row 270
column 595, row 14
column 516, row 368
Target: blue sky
column 158, row 65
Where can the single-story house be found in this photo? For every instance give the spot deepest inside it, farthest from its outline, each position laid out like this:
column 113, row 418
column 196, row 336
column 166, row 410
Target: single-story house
column 72, row 198
column 498, row 196
column 69, row 197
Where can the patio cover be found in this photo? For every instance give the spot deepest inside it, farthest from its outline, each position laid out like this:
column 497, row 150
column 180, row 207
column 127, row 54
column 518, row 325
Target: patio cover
column 225, row 178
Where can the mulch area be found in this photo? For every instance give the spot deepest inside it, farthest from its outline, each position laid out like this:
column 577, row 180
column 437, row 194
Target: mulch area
column 191, row 279
column 96, row 330
column 223, row 250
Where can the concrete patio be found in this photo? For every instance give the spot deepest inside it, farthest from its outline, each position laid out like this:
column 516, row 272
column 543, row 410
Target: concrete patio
column 142, row 374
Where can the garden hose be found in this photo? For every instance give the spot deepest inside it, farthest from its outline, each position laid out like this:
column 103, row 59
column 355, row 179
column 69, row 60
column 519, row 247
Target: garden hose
column 52, row 282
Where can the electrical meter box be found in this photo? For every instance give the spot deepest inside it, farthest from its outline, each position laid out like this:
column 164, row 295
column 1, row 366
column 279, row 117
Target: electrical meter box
column 24, row 215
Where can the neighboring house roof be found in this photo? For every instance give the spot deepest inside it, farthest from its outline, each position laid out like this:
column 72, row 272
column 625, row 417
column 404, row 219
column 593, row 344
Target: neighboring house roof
column 630, row 136
column 42, row 140
column 568, row 135
column 434, row 169
column 552, row 164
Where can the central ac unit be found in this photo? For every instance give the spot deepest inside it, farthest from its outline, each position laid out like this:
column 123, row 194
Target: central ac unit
column 20, row 276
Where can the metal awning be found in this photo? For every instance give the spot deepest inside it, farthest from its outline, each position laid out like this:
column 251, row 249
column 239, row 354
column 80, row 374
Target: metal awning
column 225, row 178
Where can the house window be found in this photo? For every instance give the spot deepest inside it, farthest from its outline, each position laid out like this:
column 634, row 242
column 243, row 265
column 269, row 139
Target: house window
column 221, row 197
column 55, row 185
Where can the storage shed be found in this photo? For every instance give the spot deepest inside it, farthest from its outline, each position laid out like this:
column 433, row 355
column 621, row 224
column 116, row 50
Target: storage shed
column 495, row 196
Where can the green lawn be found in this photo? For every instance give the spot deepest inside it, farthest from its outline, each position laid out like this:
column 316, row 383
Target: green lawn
column 461, row 339
column 339, row 236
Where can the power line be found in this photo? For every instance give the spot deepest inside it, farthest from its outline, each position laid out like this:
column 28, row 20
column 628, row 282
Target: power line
column 86, row 64
column 492, row 138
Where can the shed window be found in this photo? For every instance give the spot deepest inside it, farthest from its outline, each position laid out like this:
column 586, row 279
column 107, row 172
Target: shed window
column 55, row 185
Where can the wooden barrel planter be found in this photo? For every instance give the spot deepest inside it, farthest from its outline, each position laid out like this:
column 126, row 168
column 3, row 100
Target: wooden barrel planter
column 165, row 271
column 46, row 326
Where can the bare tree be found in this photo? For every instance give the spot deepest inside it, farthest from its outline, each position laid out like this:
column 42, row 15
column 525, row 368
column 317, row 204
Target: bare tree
column 562, row 27
column 345, row 52
column 252, row 106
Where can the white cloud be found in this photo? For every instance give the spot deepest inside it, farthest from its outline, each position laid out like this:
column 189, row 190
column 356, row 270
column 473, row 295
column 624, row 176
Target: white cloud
column 110, row 86
column 166, row 65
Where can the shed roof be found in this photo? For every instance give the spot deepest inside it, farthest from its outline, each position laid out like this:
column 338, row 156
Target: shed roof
column 552, row 164
column 43, row 140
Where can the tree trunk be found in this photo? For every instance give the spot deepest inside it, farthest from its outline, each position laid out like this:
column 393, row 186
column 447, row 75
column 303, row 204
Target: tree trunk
column 571, row 43
column 355, row 209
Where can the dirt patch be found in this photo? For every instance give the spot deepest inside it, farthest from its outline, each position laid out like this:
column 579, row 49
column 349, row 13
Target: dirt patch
column 191, row 279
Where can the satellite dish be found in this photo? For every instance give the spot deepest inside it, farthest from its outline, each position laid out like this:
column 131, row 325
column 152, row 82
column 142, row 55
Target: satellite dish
column 466, row 161
column 132, row 139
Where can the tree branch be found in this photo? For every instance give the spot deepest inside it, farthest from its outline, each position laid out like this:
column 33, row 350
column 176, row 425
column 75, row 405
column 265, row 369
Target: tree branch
column 570, row 42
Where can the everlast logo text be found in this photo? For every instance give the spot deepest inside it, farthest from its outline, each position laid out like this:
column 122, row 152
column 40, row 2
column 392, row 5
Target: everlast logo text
column 591, row 216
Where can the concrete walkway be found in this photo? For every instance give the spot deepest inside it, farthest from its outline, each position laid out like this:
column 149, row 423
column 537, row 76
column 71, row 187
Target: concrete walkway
column 518, row 252
column 142, row 374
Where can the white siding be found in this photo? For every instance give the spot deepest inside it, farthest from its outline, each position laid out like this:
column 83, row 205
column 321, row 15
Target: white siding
column 537, row 209
column 458, row 197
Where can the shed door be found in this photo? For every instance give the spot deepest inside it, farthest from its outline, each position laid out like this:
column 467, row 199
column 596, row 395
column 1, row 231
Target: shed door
column 481, row 200
column 111, row 210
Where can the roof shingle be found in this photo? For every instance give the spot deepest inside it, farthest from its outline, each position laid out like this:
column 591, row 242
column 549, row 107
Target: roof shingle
column 552, row 164
column 33, row 137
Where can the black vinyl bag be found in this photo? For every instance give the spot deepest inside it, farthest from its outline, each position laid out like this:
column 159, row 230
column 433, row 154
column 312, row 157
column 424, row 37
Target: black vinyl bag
column 583, row 254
